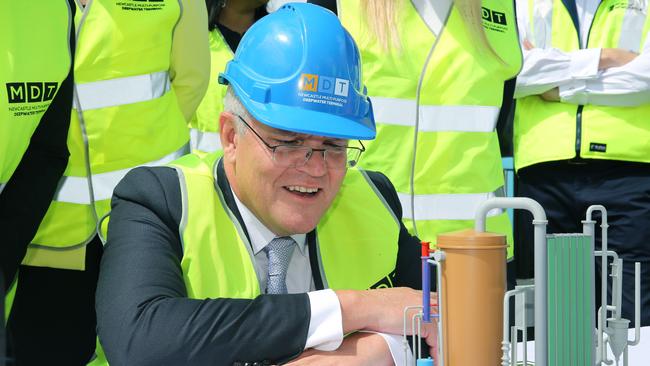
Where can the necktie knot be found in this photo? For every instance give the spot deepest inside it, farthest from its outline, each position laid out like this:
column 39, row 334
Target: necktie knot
column 279, row 252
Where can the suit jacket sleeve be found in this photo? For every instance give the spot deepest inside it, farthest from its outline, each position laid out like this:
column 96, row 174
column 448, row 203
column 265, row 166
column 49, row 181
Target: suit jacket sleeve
column 144, row 315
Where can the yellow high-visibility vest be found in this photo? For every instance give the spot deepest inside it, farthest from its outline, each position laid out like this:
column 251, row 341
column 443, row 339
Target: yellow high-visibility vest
column 125, row 114
column 588, row 131
column 28, row 84
column 357, row 239
column 458, row 163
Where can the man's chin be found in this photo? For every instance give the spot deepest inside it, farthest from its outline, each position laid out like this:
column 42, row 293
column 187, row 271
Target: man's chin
column 299, row 226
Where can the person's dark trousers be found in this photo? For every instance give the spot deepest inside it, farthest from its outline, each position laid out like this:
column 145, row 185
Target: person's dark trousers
column 3, row 339
column 53, row 320
column 566, row 189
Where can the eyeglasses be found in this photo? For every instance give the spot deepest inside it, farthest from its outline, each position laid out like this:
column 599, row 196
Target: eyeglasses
column 295, row 156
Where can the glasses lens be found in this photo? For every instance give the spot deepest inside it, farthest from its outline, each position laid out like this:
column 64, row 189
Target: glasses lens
column 297, row 156
column 336, row 158
column 291, row 156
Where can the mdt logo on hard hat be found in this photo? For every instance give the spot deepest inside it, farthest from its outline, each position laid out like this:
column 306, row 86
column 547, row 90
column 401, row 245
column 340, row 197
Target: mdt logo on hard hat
column 324, row 84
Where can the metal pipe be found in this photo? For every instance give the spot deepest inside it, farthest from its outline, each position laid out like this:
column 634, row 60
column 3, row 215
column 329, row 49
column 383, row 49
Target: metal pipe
column 603, row 267
column 415, row 338
column 541, row 291
column 610, row 253
column 617, row 295
column 524, row 330
column 637, row 306
column 506, row 343
column 426, row 283
column 405, row 343
column 439, row 256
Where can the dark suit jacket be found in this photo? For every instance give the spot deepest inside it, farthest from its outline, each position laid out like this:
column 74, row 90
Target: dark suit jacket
column 143, row 313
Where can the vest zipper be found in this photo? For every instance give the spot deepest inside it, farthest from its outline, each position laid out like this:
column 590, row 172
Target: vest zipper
column 578, row 129
column 581, row 107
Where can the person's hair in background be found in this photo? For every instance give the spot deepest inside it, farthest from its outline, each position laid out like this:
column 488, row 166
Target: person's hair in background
column 243, row 12
column 382, row 19
column 214, row 9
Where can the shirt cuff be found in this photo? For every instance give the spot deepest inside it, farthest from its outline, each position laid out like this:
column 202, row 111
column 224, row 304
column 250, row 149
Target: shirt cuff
column 584, row 63
column 326, row 323
column 574, row 92
column 400, row 350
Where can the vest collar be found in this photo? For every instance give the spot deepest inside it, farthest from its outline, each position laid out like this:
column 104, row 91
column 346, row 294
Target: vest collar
column 221, row 184
column 433, row 13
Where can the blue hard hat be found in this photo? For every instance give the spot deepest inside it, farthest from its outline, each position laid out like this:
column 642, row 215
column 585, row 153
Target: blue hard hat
column 298, row 69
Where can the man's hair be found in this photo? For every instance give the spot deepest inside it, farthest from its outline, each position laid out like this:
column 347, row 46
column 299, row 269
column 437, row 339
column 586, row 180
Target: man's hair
column 233, row 105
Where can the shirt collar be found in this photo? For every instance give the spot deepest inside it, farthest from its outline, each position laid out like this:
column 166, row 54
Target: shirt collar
column 260, row 235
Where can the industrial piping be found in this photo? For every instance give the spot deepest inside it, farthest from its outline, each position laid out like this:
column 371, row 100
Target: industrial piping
column 539, row 222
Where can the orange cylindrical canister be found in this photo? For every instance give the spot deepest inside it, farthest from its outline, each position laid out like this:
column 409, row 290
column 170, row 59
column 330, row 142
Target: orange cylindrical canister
column 473, row 286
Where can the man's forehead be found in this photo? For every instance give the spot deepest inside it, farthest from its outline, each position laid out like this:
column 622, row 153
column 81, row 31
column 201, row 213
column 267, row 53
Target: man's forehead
column 277, row 131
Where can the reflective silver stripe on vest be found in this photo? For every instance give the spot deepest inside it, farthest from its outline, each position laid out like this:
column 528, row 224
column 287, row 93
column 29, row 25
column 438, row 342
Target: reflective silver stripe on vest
column 445, row 206
column 632, row 27
column 2, row 186
column 464, row 118
column 121, row 91
column 75, row 189
column 433, row 13
column 204, row 141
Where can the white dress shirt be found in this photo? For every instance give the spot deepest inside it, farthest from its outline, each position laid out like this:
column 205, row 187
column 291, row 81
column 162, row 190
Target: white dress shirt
column 326, row 324
column 576, row 73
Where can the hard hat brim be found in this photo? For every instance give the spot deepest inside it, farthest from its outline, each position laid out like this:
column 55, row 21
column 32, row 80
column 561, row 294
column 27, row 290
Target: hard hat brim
column 310, row 122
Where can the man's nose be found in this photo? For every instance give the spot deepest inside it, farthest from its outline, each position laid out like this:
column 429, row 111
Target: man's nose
column 315, row 165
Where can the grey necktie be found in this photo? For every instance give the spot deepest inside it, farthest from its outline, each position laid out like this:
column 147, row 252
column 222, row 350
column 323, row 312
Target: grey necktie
column 279, row 251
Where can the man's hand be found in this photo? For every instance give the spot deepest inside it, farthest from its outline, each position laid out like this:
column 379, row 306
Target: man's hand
column 379, row 310
column 609, row 57
column 357, row 349
column 615, row 57
column 527, row 45
column 552, row 95
column 432, row 341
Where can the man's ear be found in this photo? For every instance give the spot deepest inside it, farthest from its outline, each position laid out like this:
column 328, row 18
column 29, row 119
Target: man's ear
column 228, row 133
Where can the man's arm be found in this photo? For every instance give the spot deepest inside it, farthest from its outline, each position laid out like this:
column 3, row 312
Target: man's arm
column 624, row 80
column 359, row 349
column 143, row 313
column 545, row 69
column 190, row 57
column 145, row 317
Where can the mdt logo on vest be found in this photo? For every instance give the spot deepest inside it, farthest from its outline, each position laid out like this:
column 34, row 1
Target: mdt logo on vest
column 494, row 20
column 494, row 16
column 634, row 5
column 31, row 92
column 324, row 84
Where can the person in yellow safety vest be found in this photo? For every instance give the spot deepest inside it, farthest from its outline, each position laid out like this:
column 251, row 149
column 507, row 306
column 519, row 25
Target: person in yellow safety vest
column 35, row 103
column 267, row 253
column 227, row 22
column 140, row 70
column 581, row 131
column 435, row 71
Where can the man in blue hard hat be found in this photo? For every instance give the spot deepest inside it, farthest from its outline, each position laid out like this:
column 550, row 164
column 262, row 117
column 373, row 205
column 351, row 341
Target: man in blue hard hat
column 275, row 250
